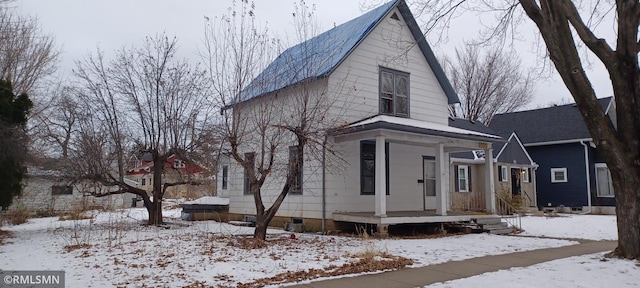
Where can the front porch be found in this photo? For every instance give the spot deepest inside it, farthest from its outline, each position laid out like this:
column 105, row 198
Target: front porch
column 395, row 152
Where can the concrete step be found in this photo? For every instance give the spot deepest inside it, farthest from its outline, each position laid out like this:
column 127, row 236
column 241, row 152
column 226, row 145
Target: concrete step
column 502, row 231
column 488, row 220
column 500, row 225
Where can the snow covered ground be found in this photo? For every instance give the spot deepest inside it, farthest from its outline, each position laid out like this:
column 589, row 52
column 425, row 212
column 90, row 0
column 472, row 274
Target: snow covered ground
column 113, row 248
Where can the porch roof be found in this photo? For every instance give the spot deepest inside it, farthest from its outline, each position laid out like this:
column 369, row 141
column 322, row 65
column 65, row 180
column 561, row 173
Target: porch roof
column 415, row 126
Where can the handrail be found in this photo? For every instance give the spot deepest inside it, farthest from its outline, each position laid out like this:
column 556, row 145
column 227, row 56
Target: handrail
column 527, row 194
column 508, row 213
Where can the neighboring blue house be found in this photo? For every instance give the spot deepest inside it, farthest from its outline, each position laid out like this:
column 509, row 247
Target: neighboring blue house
column 514, row 176
column 571, row 172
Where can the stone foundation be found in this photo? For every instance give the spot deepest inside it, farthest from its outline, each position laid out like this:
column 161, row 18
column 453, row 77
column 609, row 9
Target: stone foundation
column 311, row 224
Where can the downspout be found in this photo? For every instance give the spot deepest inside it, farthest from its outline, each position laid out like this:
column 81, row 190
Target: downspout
column 324, row 188
column 586, row 166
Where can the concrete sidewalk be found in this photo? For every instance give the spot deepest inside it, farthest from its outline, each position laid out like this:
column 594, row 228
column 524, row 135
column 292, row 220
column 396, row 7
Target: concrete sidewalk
column 418, row 277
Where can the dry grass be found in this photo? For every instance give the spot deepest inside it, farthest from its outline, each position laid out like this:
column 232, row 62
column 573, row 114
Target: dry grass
column 4, row 235
column 73, row 247
column 15, row 217
column 74, row 215
column 370, row 260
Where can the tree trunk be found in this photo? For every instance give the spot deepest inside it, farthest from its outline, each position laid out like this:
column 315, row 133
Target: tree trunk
column 261, row 229
column 619, row 147
column 626, row 183
column 155, row 215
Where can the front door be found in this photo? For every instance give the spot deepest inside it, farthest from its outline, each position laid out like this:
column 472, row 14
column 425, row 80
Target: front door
column 516, row 186
column 429, row 180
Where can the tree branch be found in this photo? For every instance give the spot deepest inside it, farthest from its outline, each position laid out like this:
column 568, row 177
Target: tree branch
column 598, row 46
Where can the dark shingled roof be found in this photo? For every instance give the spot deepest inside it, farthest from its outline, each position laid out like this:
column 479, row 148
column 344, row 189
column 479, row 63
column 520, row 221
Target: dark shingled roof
column 478, row 127
column 321, row 55
column 557, row 123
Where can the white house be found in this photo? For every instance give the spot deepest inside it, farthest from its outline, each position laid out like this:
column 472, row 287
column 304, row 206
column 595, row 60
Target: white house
column 391, row 95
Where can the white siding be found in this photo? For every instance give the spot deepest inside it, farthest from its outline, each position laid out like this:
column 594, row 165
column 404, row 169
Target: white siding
column 356, row 79
column 405, row 169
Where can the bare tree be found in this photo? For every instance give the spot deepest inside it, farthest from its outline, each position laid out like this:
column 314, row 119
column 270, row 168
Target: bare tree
column 26, row 54
column 271, row 135
column 146, row 100
column 566, row 27
column 57, row 123
column 487, row 84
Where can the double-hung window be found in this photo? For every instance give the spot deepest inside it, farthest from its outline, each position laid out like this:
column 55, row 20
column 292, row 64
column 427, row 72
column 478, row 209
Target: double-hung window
column 295, row 162
column 603, row 181
column 225, row 177
column 251, row 158
column 463, row 178
column 368, row 168
column 394, row 92
column 503, row 174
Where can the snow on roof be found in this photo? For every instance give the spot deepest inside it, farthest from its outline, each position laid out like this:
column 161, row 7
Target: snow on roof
column 421, row 124
column 209, row 200
column 315, row 57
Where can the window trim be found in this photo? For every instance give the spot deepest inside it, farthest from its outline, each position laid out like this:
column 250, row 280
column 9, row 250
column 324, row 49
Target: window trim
column 246, row 189
column 293, row 150
column 553, row 174
column 394, row 95
column 143, row 181
column 611, row 190
column 464, row 189
column 386, row 152
column 225, row 177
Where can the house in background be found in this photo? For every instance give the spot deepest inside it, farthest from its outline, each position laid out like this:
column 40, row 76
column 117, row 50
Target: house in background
column 46, row 192
column 397, row 141
column 514, row 176
column 141, row 173
column 571, row 172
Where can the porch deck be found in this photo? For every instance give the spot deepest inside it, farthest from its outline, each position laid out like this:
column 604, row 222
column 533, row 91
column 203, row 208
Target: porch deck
column 408, row 217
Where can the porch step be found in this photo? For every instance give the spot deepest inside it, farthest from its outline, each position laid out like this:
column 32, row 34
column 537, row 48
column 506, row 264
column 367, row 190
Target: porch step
column 503, row 231
column 488, row 220
column 494, row 225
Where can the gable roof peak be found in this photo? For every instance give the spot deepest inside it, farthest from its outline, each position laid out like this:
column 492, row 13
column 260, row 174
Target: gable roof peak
column 319, row 56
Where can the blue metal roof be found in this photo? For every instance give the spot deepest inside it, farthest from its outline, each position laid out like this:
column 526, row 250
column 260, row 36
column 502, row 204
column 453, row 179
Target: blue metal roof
column 319, row 56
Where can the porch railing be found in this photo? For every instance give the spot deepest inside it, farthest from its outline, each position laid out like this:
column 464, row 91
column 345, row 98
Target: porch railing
column 509, row 213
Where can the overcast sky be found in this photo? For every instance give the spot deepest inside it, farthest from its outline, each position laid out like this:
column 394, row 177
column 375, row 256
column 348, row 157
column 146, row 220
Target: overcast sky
column 79, row 26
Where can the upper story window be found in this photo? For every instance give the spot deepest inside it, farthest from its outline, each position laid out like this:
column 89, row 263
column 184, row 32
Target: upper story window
column 178, row 164
column 394, row 92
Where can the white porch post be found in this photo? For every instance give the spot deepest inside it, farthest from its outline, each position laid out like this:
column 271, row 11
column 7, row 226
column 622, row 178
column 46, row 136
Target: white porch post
column 442, row 164
column 489, row 186
column 381, row 179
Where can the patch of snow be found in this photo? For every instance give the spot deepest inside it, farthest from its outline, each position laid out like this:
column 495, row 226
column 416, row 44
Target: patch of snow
column 209, row 200
column 593, row 227
column 586, row 271
column 181, row 253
